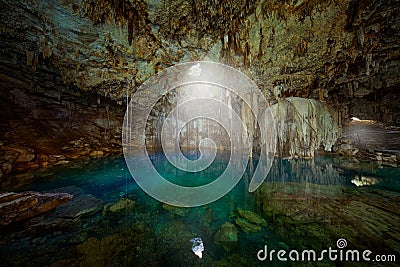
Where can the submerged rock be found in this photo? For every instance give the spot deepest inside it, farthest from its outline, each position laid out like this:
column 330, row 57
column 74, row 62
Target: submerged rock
column 122, row 204
column 119, row 249
column 226, row 236
column 318, row 212
column 249, row 221
column 100, row 252
column 83, row 205
column 183, row 212
column 51, row 224
column 252, row 217
column 247, row 226
column 15, row 207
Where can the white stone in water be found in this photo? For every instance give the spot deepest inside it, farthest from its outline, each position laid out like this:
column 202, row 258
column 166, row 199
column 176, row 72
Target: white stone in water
column 198, row 246
column 364, row 181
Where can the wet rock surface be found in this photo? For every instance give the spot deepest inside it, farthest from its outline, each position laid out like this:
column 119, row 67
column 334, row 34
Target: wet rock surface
column 371, row 140
column 227, row 236
column 15, row 207
column 247, row 226
column 67, row 67
column 80, row 206
column 125, row 204
column 291, row 215
column 249, row 222
column 366, row 218
column 182, row 212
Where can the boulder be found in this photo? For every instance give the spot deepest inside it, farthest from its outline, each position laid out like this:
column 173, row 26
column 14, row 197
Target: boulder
column 62, row 162
column 347, row 150
column 80, row 206
column 176, row 210
column 50, row 224
column 15, row 207
column 5, row 167
column 247, row 226
column 25, row 154
column 96, row 153
column 122, row 204
column 252, row 217
column 226, row 236
column 7, row 158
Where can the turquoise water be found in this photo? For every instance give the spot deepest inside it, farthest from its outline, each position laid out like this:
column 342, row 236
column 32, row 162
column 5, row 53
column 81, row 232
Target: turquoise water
column 297, row 200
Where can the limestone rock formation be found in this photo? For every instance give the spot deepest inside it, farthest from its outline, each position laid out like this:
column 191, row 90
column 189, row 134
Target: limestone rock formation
column 303, row 48
column 305, row 125
column 122, row 205
column 252, row 217
column 182, row 212
column 80, row 206
column 226, row 236
column 369, row 139
column 321, row 211
column 67, row 67
column 15, row 207
column 247, row 226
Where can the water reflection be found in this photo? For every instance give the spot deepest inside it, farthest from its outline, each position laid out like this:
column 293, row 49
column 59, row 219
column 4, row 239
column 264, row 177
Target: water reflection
column 304, row 203
column 364, row 180
column 320, row 170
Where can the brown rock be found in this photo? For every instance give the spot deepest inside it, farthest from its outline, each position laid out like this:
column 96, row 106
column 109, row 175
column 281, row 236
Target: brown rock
column 80, row 206
column 15, row 207
column 96, row 153
column 25, row 154
column 62, row 162
column 7, row 159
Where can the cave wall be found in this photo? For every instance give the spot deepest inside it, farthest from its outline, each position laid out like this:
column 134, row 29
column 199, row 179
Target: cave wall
column 68, row 65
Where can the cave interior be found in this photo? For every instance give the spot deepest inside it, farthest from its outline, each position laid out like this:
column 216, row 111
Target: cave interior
column 330, row 75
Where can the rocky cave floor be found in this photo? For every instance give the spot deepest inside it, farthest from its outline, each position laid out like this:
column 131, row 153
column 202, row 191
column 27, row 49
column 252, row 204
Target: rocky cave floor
column 86, row 232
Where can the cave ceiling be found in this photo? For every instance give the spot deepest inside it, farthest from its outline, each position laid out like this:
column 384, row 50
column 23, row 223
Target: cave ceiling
column 343, row 52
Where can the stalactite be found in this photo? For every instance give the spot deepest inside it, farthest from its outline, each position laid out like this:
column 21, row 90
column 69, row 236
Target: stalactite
column 246, row 59
column 305, row 125
column 108, row 121
column 29, row 57
column 260, row 46
column 130, row 27
column 119, row 11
